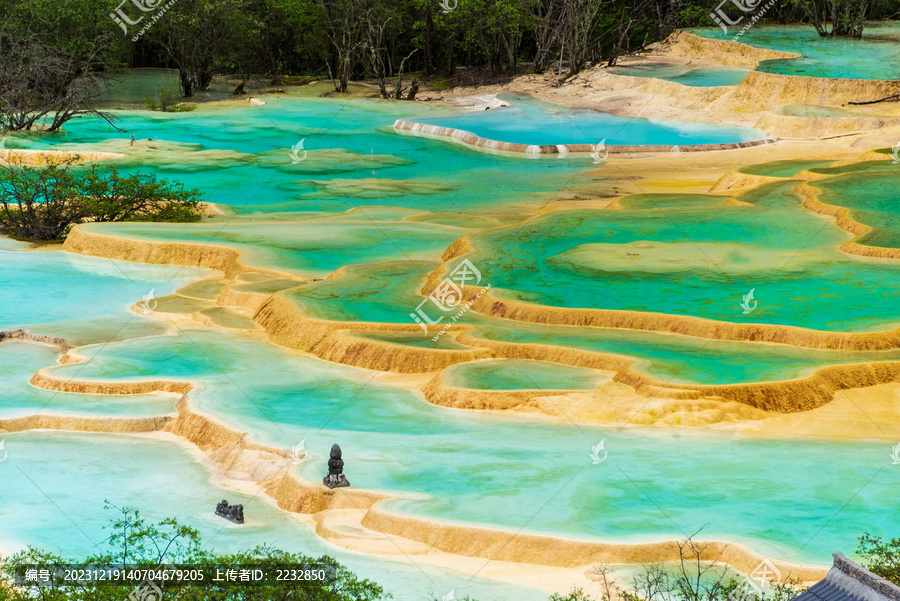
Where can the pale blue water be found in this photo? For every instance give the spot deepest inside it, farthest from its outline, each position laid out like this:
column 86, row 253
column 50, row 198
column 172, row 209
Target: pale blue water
column 20, row 360
column 528, row 121
column 777, row 495
column 875, row 56
column 700, row 77
column 84, row 298
column 508, row 472
column 55, row 485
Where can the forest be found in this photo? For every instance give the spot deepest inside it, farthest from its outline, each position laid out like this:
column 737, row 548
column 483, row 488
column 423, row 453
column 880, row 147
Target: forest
column 55, row 54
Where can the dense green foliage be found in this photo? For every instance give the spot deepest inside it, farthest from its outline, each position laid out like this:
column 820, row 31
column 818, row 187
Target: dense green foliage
column 464, row 40
column 42, row 203
column 135, row 542
column 881, row 557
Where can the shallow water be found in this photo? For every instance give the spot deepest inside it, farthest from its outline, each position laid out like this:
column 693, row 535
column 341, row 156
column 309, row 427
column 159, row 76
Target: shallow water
column 872, row 200
column 528, row 121
column 873, row 57
column 507, row 374
column 695, row 262
column 311, row 247
column 389, row 292
column 483, row 469
column 20, row 360
column 361, row 196
column 83, row 298
column 702, row 77
column 78, row 472
column 240, row 157
column 786, row 168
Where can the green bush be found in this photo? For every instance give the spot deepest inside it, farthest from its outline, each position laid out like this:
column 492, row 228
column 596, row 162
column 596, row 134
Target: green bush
column 135, row 542
column 43, row 203
column 881, row 557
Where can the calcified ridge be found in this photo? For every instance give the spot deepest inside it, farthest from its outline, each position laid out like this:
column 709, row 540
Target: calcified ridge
column 231, row 450
column 843, row 220
column 697, row 327
column 336, row 341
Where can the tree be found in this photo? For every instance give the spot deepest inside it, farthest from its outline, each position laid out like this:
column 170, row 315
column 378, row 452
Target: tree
column 43, row 203
column 847, row 17
column 195, row 34
column 168, row 545
column 880, row 557
column 342, row 19
column 547, row 29
column 43, row 84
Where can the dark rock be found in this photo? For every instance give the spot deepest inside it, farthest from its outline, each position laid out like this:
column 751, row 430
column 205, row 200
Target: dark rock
column 335, row 477
column 235, row 513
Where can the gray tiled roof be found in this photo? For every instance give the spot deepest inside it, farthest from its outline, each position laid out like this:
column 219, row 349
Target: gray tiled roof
column 848, row 581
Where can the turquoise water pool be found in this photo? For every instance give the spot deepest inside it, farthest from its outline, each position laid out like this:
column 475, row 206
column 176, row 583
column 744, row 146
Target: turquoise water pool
column 312, row 247
column 20, row 360
column 693, row 261
column 240, row 157
column 82, row 298
column 393, row 203
column 517, row 471
column 703, row 77
column 507, row 374
column 56, row 483
column 875, row 56
column 388, row 292
column 528, row 121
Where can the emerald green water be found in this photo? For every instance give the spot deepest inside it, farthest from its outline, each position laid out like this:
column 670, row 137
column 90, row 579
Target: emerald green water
column 240, row 157
column 506, row 374
column 876, row 56
column 310, row 247
column 519, row 471
column 385, row 207
column 872, row 200
column 691, row 261
column 388, row 292
column 788, row 168
column 701, row 77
